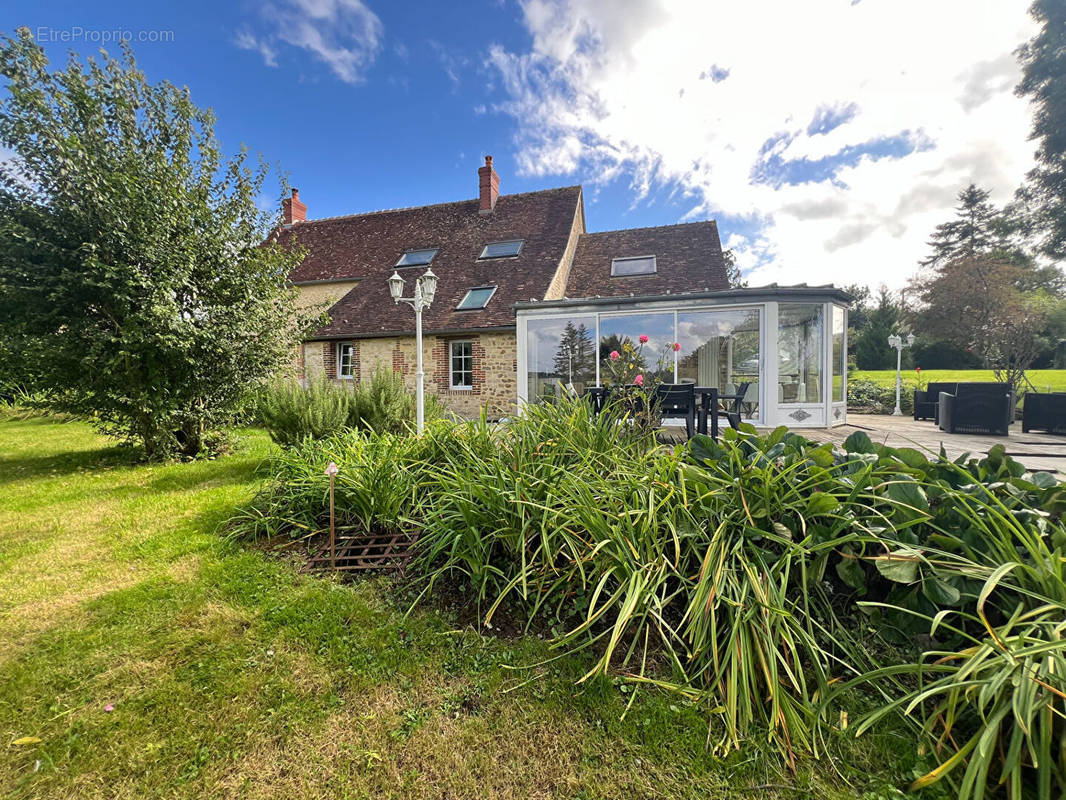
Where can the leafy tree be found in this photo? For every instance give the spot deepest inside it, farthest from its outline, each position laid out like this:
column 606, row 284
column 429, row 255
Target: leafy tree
column 732, row 271
column 872, row 350
column 132, row 263
column 576, row 355
column 975, row 303
column 1043, row 61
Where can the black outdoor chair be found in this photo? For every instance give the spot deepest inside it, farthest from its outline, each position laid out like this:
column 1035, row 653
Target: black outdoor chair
column 976, row 408
column 1044, row 411
column 596, row 397
column 710, row 409
column 926, row 402
column 678, row 400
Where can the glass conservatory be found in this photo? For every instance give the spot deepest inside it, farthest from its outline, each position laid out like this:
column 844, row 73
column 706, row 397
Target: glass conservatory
column 787, row 344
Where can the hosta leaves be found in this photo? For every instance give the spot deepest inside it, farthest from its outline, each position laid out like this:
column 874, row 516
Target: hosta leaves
column 859, row 442
column 849, row 569
column 940, row 593
column 900, row 566
column 909, row 495
column 821, row 503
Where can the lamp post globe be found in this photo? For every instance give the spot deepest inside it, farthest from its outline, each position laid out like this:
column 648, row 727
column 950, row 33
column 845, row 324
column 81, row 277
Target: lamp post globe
column 396, row 286
column 898, row 342
column 429, row 287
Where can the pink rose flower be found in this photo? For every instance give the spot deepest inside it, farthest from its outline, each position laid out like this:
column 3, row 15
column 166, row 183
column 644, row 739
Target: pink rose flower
column 643, row 339
column 639, row 380
column 614, row 355
column 677, row 346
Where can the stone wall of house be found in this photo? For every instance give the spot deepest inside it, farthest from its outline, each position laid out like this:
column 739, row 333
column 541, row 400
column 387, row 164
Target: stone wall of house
column 557, row 287
column 313, row 365
column 495, row 367
column 317, row 295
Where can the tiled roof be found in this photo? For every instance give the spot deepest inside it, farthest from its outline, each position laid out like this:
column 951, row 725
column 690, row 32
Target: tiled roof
column 365, row 247
column 688, row 259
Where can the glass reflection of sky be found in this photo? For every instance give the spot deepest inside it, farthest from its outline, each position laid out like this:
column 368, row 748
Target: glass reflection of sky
column 659, row 328
column 693, row 329
column 543, row 336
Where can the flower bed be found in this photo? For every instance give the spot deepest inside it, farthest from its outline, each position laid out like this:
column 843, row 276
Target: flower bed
column 777, row 581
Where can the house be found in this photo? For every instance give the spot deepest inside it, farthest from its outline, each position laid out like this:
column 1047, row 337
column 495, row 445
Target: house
column 529, row 302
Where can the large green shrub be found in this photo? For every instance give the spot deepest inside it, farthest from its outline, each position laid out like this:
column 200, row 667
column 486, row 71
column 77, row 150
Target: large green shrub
column 384, row 404
column 293, row 413
column 325, row 408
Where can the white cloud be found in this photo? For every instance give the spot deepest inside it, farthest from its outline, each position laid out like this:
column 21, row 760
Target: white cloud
column 343, row 34
column 920, row 95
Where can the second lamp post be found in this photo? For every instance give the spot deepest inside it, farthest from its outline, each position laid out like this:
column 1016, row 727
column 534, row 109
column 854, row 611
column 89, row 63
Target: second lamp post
column 425, row 289
column 897, row 341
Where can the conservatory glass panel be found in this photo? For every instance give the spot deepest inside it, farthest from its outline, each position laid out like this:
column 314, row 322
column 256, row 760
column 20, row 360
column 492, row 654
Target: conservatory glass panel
column 721, row 349
column 800, row 355
column 839, row 356
column 653, row 359
column 559, row 351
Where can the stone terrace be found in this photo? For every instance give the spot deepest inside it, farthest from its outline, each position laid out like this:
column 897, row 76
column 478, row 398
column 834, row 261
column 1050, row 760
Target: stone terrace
column 1037, row 451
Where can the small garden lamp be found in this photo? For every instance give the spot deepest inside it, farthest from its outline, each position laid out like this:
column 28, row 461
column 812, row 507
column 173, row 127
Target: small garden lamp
column 425, row 291
column 898, row 342
column 332, row 471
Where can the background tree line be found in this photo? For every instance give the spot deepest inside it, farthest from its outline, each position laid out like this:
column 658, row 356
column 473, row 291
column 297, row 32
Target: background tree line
column 991, row 292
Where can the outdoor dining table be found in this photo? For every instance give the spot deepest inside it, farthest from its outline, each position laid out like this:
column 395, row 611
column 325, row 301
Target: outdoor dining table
column 710, row 397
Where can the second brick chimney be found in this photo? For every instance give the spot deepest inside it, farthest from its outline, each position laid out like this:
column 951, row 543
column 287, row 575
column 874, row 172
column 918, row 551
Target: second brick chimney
column 489, row 185
column 292, row 210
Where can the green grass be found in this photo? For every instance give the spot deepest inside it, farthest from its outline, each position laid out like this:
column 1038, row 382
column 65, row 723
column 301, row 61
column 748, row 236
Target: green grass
column 231, row 674
column 1045, row 380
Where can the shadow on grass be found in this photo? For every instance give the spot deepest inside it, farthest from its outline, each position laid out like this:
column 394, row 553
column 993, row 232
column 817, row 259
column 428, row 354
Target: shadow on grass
column 205, row 475
column 22, row 468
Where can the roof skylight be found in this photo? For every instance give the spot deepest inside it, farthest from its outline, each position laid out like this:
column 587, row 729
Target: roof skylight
column 416, row 258
column 640, row 265
column 501, row 249
column 476, row 298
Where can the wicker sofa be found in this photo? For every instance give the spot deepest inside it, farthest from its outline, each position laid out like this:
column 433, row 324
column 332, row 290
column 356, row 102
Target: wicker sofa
column 976, row 408
column 925, row 402
column 1044, row 411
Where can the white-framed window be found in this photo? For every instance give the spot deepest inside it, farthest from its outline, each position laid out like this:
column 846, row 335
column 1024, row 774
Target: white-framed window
column 461, row 364
column 476, row 298
column 637, row 265
column 346, row 360
column 417, row 258
column 501, row 249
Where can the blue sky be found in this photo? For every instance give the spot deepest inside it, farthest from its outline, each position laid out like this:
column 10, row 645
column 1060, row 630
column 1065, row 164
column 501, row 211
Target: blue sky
column 826, row 156
column 406, row 133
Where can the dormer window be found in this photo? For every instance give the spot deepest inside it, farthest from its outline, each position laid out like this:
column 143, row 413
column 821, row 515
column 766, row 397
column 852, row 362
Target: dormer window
column 416, row 258
column 639, row 265
column 501, row 249
column 476, row 298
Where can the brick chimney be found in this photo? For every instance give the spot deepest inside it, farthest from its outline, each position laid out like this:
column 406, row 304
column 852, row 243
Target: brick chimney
column 489, row 184
column 292, row 210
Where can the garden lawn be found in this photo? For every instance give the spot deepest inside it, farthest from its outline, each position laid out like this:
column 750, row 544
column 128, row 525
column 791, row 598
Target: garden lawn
column 144, row 655
column 1045, row 380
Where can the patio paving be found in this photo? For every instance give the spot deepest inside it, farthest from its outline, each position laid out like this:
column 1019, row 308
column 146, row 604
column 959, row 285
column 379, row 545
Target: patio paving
column 1037, row 451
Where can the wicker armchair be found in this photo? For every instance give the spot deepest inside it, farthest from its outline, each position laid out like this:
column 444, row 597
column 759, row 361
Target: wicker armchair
column 926, row 402
column 1044, row 411
column 976, row 408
